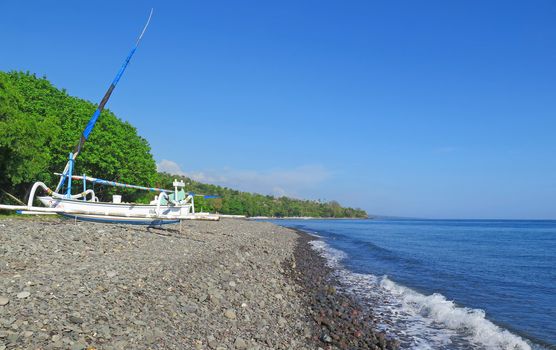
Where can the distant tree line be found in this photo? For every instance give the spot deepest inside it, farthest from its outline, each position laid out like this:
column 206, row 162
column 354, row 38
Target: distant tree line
column 40, row 125
column 252, row 204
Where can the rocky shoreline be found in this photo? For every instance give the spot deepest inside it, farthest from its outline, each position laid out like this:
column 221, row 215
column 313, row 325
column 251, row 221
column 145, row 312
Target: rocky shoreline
column 233, row 284
column 338, row 320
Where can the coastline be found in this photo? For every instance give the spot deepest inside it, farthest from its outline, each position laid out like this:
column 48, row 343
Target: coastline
column 339, row 320
column 415, row 318
column 233, row 284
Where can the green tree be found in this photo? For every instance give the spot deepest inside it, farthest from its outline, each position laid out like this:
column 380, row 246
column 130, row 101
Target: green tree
column 40, row 125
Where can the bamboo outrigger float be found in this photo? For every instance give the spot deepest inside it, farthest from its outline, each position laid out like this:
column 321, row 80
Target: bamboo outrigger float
column 169, row 206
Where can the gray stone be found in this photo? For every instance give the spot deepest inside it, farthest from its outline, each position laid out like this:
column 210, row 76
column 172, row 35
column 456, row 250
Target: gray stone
column 23, row 295
column 150, row 337
column 326, row 338
column 75, row 319
column 240, row 343
column 67, row 340
column 190, row 308
column 104, row 332
column 78, row 346
column 121, row 345
column 214, row 299
column 231, row 314
column 12, row 337
column 4, row 300
column 211, row 341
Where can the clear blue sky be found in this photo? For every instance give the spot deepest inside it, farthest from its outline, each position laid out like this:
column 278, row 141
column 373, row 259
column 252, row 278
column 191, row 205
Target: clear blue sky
column 441, row 109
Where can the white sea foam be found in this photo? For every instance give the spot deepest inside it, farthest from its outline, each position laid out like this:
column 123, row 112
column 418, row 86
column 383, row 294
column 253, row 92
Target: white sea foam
column 419, row 321
column 314, row 234
column 471, row 322
column 333, row 256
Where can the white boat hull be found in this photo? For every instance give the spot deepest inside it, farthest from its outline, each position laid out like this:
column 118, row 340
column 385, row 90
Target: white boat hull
column 129, row 211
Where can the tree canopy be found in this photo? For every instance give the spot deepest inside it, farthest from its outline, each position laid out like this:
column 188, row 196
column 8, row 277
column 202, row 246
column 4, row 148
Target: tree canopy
column 40, row 125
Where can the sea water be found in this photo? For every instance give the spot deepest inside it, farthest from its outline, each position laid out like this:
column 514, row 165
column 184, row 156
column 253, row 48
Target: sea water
column 448, row 284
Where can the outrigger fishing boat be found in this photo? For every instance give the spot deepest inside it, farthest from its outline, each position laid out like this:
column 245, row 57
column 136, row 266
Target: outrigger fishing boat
column 169, row 206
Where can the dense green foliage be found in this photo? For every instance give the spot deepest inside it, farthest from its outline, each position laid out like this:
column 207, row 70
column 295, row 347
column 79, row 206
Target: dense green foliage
column 40, row 125
column 250, row 204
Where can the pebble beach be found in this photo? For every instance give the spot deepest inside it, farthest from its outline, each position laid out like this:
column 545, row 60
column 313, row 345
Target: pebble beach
column 231, row 284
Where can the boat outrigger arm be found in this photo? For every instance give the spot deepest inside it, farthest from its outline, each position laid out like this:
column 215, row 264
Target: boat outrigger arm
column 96, row 114
column 176, row 185
column 113, row 183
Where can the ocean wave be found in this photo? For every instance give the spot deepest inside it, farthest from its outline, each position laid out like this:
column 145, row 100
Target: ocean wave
column 333, row 256
column 307, row 231
column 471, row 322
column 420, row 321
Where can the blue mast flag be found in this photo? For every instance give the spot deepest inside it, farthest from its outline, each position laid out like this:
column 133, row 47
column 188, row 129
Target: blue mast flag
column 94, row 118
